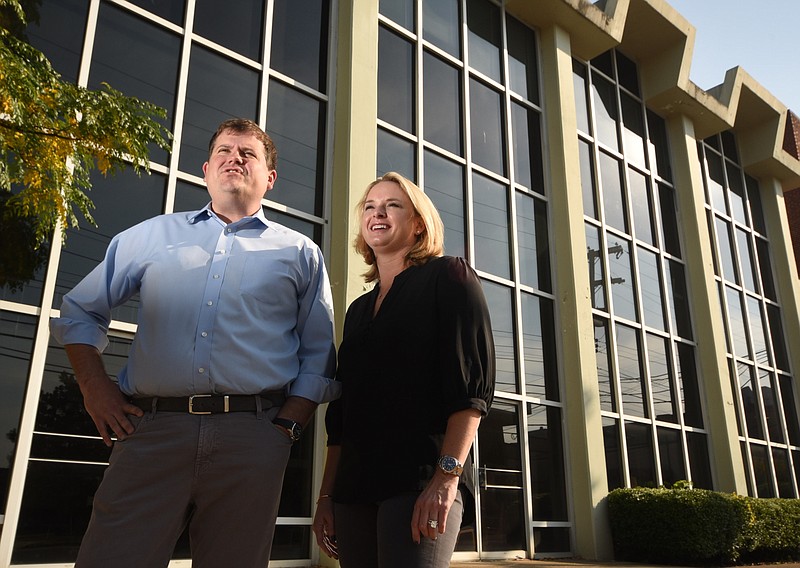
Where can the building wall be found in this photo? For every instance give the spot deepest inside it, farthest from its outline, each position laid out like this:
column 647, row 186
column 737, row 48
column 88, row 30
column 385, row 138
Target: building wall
column 634, row 368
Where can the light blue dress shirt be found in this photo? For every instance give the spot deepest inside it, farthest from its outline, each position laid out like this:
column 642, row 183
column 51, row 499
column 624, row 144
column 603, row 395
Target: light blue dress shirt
column 242, row 308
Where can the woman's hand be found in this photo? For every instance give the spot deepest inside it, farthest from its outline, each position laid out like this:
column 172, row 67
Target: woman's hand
column 432, row 507
column 323, row 527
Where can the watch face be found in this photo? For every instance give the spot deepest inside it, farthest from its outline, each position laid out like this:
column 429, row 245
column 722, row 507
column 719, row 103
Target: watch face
column 449, row 463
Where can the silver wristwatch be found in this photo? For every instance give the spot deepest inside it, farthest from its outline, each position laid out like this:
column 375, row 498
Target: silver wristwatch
column 450, row 465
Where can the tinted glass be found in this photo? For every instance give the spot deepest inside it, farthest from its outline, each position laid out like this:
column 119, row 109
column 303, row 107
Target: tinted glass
column 522, row 65
column 120, row 202
column 533, row 242
column 698, row 460
column 602, row 353
column 538, row 346
column 487, row 127
column 139, row 59
column 210, row 100
column 190, row 197
column 750, row 405
column 299, row 46
column 627, row 73
column 172, row 10
column 59, row 34
column 688, row 387
column 527, row 140
column 492, row 252
column 716, row 181
column 581, row 104
column 596, row 267
column 678, row 299
column 295, row 121
column 769, row 396
column 395, row 154
column 640, row 206
column 442, row 107
column 548, row 477
column 444, row 184
column 399, row 11
column 621, row 275
column 762, row 471
column 629, row 367
column 725, row 248
column 661, row 379
column 671, row 455
column 633, row 129
column 650, row 288
column 641, row 458
column 669, row 221
column 440, row 25
column 587, row 179
column 736, row 194
column 613, row 192
column 238, row 30
column 658, row 146
column 736, row 323
column 396, row 85
column 746, row 260
column 500, row 306
column 605, row 111
column 757, row 331
column 483, row 21
column 613, row 454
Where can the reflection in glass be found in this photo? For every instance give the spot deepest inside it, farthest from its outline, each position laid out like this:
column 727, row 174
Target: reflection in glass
column 295, row 121
column 139, row 59
column 725, row 250
column 661, row 379
column 640, row 206
column 172, row 10
column 483, row 21
column 486, row 128
column 757, row 335
column 444, row 184
column 440, row 25
column 587, row 179
column 716, row 181
column 746, row 260
column 688, row 387
column 499, row 300
column 750, row 406
column 736, row 323
column 783, row 477
column 299, row 42
column 442, row 108
column 756, row 209
column 396, row 83
column 523, row 71
column 613, row 454
column 629, row 368
column 581, row 104
column 539, row 349
column 762, row 471
column 769, row 394
column 59, row 34
column 602, row 352
column 492, row 248
column 311, row 230
column 210, row 100
column 605, row 111
column 548, row 477
column 120, row 203
column 790, row 409
column 621, row 278
column 670, row 453
column 533, row 241
column 238, row 30
column 627, row 73
column 527, row 140
column 594, row 256
column 678, row 299
column 650, row 286
column 613, row 192
column 670, row 239
column 500, row 478
column 736, row 194
column 697, row 445
column 399, row 11
column 765, row 267
column 633, row 129
column 16, row 349
column 395, row 154
column 190, row 197
column 23, row 262
column 641, row 464
column 658, row 146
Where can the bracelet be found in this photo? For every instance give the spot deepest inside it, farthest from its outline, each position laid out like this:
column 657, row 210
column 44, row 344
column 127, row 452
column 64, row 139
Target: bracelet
column 323, row 496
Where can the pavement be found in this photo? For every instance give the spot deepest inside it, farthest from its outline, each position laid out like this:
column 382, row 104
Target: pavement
column 578, row 563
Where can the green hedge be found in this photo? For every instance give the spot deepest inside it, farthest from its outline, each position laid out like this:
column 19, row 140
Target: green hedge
column 701, row 527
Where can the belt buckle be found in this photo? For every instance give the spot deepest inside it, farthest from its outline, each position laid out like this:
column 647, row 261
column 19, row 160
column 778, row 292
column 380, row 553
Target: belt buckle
column 226, row 405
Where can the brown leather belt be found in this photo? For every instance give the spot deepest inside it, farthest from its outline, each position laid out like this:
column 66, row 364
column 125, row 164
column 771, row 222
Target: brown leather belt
column 210, row 403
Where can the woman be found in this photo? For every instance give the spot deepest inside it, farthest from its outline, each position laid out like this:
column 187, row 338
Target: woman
column 417, row 369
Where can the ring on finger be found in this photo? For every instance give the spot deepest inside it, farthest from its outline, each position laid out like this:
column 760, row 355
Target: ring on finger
column 433, row 523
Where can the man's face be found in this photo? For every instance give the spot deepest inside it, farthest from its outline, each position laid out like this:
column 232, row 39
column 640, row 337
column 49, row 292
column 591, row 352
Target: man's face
column 237, row 170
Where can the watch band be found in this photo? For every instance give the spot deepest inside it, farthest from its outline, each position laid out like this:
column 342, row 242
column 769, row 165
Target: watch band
column 292, row 428
column 450, row 465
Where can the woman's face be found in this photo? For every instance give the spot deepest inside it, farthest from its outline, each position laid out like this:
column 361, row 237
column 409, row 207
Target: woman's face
column 389, row 222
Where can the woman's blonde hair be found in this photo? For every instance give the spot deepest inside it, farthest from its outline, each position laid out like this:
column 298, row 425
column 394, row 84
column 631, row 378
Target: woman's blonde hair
column 430, row 242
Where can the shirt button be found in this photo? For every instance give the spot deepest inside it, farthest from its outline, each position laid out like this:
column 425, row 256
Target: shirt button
column 216, row 276
column 229, row 230
column 210, row 303
column 204, row 334
column 201, row 370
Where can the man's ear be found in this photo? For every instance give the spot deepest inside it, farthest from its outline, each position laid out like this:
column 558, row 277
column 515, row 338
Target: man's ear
column 205, row 168
column 273, row 175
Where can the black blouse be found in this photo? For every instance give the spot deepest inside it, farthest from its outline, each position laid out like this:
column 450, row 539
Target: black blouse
column 426, row 354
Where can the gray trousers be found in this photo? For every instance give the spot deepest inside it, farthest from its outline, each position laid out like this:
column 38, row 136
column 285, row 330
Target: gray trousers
column 378, row 535
column 219, row 474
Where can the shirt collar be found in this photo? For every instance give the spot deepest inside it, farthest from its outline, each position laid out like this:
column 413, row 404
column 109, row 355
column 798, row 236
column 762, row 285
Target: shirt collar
column 207, row 213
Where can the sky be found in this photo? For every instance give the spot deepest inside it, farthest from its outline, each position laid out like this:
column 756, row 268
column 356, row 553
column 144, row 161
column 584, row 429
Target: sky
column 761, row 36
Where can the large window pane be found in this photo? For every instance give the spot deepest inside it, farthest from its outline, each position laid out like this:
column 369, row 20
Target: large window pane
column 715, row 181
column 629, row 368
column 736, row 323
column 678, row 299
column 527, row 139
column 688, row 387
column 640, row 207
column 238, row 30
column 396, row 82
column 442, row 108
column 621, row 277
column 661, row 379
column 641, row 459
column 299, row 46
column 614, row 202
column 400, row 11
column 174, row 10
column 650, row 286
column 500, row 306
column 440, row 25
column 483, row 21
column 633, row 129
column 670, row 453
column 295, row 121
column 538, row 346
column 396, row 154
column 594, row 256
column 486, row 115
column 605, row 109
column 750, row 405
column 725, row 250
column 523, row 74
column 611, row 444
column 492, row 252
column 588, row 184
column 533, row 240
column 139, row 59
column 444, row 184
column 59, row 34
column 602, row 352
column 547, row 463
column 210, row 100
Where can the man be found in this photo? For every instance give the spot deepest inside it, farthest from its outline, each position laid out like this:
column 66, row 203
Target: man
column 234, row 350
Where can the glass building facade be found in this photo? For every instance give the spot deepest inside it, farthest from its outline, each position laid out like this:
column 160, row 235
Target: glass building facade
column 629, row 234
